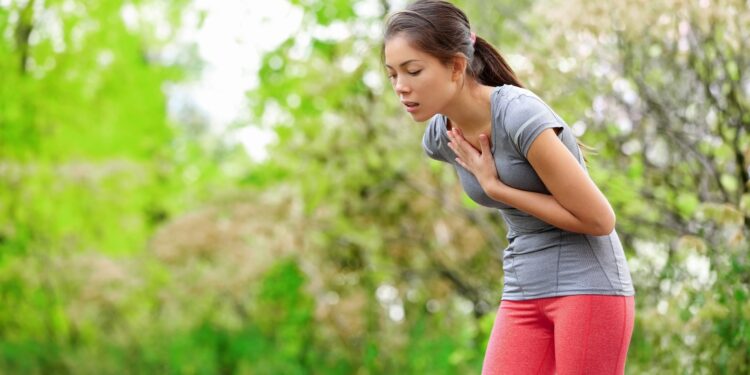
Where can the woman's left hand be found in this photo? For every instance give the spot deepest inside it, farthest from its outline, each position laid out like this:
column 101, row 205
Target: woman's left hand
column 480, row 163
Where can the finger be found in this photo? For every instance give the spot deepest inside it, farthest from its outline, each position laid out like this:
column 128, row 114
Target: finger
column 453, row 136
column 461, row 135
column 455, row 148
column 462, row 163
column 459, row 139
column 458, row 150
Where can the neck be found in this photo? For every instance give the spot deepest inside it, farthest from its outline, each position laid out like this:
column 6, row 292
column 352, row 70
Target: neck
column 470, row 108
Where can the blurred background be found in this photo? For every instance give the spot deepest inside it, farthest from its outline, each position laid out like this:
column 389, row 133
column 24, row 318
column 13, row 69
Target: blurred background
column 231, row 187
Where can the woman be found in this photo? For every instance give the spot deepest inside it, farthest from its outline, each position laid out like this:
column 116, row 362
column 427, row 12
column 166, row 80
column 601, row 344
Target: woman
column 568, row 299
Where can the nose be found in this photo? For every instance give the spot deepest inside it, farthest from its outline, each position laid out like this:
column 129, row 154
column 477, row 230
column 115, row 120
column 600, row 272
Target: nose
column 400, row 86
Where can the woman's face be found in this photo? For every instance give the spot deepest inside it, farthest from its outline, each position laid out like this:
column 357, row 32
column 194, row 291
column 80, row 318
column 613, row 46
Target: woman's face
column 423, row 84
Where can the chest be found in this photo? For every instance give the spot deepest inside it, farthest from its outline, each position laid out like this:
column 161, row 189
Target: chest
column 513, row 170
column 473, row 137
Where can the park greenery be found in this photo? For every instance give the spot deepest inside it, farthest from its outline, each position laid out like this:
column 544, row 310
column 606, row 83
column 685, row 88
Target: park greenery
column 132, row 241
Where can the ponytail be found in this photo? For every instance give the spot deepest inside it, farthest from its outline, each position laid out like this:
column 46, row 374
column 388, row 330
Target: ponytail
column 489, row 67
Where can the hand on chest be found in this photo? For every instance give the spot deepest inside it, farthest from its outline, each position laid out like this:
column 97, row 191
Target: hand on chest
column 513, row 171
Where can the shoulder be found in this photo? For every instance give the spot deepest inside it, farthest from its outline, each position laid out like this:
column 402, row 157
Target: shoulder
column 518, row 99
column 525, row 116
column 512, row 103
column 505, row 95
column 519, row 104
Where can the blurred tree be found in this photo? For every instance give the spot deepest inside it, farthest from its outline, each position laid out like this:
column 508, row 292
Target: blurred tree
column 348, row 250
column 89, row 164
column 83, row 130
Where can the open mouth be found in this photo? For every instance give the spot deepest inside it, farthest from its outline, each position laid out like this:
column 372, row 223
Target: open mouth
column 411, row 106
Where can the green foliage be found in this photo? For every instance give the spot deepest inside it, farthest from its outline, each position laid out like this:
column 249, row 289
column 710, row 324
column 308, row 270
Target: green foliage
column 126, row 247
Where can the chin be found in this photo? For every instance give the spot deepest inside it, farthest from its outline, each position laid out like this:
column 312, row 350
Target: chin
column 422, row 117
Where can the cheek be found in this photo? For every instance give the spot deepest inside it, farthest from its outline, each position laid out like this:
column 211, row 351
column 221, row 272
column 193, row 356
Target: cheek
column 437, row 84
column 425, row 82
column 436, row 92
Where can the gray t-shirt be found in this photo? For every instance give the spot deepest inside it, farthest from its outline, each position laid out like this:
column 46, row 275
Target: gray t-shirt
column 541, row 260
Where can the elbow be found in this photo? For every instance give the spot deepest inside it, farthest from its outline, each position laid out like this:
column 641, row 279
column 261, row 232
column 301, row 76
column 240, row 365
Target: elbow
column 602, row 231
column 603, row 225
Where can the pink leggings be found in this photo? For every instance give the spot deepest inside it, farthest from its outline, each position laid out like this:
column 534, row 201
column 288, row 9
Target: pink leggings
column 578, row 334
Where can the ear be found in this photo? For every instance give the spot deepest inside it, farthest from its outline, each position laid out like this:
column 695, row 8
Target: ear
column 458, row 67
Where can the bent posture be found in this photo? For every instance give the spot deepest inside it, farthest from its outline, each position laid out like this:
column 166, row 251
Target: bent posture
column 567, row 303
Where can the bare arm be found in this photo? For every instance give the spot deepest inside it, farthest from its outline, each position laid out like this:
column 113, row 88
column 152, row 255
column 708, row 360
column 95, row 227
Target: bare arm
column 576, row 203
column 543, row 206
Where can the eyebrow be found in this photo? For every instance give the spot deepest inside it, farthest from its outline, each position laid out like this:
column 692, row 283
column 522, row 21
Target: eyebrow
column 403, row 63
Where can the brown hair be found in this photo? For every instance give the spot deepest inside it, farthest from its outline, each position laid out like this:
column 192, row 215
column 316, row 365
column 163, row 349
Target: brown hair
column 442, row 30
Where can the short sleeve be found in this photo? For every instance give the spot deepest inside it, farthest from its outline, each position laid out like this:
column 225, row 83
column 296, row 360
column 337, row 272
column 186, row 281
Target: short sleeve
column 434, row 140
column 525, row 118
